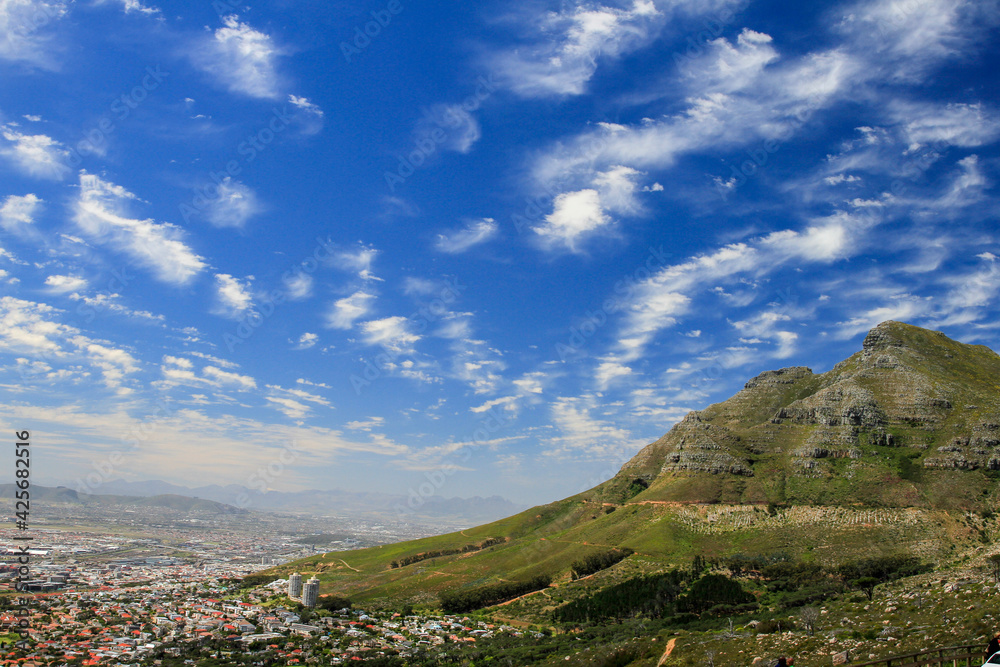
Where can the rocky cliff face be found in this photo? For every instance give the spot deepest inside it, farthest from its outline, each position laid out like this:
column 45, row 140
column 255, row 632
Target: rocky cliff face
column 878, row 427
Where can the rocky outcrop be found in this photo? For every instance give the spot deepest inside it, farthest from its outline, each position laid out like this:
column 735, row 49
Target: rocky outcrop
column 789, row 375
column 909, row 399
column 696, row 446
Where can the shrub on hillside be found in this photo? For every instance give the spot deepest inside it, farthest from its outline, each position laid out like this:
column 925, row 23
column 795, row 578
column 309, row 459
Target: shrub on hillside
column 600, row 561
column 711, row 590
column 456, row 602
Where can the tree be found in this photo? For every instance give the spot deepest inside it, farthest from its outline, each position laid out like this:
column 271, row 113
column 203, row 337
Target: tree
column 994, row 565
column 810, row 619
column 866, row 585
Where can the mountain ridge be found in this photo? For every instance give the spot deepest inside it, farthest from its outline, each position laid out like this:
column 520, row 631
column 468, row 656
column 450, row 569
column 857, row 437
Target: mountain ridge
column 894, row 448
column 371, row 505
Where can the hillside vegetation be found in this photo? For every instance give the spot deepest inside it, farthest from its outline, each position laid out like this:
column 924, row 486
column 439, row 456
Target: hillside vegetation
column 894, row 450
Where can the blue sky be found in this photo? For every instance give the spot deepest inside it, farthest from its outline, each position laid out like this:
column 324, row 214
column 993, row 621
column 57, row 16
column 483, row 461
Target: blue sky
column 474, row 248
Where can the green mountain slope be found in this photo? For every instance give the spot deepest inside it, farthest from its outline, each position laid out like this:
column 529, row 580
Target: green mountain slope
column 893, row 449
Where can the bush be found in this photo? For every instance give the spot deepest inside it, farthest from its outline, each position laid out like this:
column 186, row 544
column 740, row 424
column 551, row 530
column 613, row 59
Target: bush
column 711, row 590
column 650, row 596
column 597, row 562
column 455, row 602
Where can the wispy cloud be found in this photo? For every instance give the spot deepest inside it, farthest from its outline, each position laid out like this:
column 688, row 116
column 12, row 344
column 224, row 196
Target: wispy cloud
column 243, row 58
column 393, row 333
column 345, row 312
column 17, row 214
column 233, row 297
column 233, row 204
column 36, row 155
column 306, row 341
column 563, row 54
column 473, row 234
column 26, row 28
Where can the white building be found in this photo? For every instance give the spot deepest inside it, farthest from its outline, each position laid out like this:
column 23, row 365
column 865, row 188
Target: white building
column 295, row 586
column 311, row 592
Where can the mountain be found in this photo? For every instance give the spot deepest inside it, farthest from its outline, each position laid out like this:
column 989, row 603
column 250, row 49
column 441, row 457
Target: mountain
column 895, row 449
column 895, row 425
column 56, row 495
column 374, row 506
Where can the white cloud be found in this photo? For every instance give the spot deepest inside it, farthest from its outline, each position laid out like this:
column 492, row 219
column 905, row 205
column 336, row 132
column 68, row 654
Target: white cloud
column 308, row 383
column 768, row 325
column 61, row 284
column 18, row 213
column 309, row 116
column 657, row 303
column 965, row 125
column 902, row 307
column 390, row 332
column 366, row 425
column 243, row 58
column 306, row 341
column 113, row 363
column 134, row 6
column 233, row 205
column 841, row 178
column 736, row 94
column 474, row 233
column 32, row 328
column 25, row 26
column 225, row 378
column 289, row 407
column 105, row 302
column 455, row 128
column 29, row 327
column 305, row 105
column 905, row 37
column 565, row 54
column 101, row 212
column 239, row 445
column 358, row 260
column 583, row 432
column 575, row 216
column 506, row 401
column 345, row 312
column 822, row 242
column 609, row 371
column 178, row 361
column 531, row 383
column 233, row 297
column 37, row 155
column 298, row 395
column 224, row 363
column 298, row 286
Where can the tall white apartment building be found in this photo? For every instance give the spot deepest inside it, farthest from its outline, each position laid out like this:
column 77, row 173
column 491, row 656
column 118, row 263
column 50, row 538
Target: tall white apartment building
column 295, row 585
column 311, row 592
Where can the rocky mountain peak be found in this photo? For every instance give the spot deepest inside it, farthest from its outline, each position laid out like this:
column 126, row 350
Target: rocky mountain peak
column 885, row 335
column 886, row 426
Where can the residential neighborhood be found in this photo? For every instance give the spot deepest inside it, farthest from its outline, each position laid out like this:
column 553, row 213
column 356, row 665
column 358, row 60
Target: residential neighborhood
column 102, row 600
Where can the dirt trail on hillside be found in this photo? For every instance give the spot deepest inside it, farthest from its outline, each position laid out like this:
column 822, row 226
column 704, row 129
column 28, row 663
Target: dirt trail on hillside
column 348, row 566
column 504, row 604
column 672, row 503
column 667, row 652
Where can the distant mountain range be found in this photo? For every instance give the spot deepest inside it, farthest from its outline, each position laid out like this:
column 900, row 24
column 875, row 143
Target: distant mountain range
column 453, row 511
column 61, row 494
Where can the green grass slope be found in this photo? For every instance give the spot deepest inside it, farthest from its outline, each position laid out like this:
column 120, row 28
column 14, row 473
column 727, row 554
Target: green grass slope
column 895, row 448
